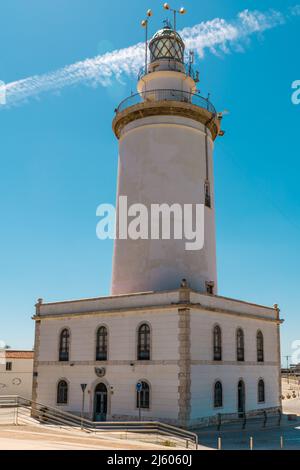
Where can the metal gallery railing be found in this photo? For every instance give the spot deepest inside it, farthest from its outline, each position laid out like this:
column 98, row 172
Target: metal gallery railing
column 166, row 95
column 174, row 66
column 18, row 410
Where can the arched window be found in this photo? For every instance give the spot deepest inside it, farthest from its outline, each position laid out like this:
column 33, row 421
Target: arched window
column 143, row 343
column 62, row 392
column 64, row 345
column 217, row 339
column 218, row 395
column 261, row 391
column 101, row 344
column 240, row 346
column 143, row 397
column 260, row 346
column 241, row 398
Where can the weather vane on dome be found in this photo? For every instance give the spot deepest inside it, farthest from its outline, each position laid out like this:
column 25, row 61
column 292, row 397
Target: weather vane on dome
column 144, row 24
column 182, row 11
column 167, row 23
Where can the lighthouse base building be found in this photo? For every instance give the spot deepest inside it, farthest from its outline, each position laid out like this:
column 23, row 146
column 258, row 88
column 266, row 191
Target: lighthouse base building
column 164, row 346
column 183, row 346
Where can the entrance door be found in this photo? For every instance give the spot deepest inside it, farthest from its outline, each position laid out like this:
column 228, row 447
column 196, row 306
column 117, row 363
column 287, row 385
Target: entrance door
column 100, row 402
column 241, row 398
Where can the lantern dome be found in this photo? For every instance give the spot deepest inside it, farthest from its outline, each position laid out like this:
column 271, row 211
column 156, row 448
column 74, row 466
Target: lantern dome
column 167, row 44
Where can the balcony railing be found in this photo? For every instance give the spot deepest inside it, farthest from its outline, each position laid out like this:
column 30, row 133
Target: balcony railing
column 166, row 95
column 174, row 66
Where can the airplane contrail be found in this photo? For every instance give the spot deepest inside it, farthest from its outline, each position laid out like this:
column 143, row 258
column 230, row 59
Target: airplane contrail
column 217, row 36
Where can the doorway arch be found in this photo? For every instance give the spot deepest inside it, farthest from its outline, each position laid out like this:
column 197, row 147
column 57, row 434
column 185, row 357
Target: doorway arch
column 100, row 402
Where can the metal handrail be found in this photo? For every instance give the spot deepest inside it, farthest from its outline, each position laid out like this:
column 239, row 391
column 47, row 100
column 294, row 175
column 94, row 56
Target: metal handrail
column 39, row 407
column 50, row 414
column 172, row 66
column 166, row 95
column 49, row 418
column 244, row 420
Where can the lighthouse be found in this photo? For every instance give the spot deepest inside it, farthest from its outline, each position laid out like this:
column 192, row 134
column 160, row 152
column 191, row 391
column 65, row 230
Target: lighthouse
column 166, row 136
column 164, row 346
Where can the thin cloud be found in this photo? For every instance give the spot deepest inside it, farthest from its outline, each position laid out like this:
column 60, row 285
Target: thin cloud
column 216, row 36
column 219, row 35
column 295, row 10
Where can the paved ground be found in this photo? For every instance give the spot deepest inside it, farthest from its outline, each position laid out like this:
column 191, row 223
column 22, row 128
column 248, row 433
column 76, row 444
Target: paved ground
column 267, row 439
column 42, row 438
column 233, row 437
column 292, row 406
column 31, row 437
column 30, row 434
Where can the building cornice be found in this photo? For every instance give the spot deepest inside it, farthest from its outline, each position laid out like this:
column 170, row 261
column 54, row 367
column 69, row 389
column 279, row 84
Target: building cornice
column 157, row 308
column 147, row 293
column 130, row 363
column 162, row 362
column 238, row 314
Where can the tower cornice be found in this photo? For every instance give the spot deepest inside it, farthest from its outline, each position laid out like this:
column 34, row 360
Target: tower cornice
column 169, row 108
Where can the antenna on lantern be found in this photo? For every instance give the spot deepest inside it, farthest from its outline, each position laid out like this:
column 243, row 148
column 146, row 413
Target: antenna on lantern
column 144, row 24
column 182, row 11
column 191, row 62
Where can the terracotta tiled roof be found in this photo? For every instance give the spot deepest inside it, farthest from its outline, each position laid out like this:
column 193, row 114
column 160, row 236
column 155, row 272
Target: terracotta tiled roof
column 10, row 353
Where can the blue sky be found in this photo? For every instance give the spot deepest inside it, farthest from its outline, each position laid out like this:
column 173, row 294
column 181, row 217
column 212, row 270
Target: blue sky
column 59, row 156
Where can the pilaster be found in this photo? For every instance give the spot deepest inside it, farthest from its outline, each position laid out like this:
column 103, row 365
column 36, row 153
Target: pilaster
column 184, row 364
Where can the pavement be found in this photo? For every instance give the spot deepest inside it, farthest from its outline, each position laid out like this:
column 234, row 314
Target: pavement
column 42, row 438
column 271, row 437
column 291, row 406
column 263, row 439
column 31, row 434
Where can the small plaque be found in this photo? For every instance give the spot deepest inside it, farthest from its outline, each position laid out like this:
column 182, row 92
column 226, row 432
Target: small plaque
column 16, row 381
column 100, row 371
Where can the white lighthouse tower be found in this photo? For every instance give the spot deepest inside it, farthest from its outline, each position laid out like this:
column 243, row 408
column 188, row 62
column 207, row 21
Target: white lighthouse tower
column 166, row 137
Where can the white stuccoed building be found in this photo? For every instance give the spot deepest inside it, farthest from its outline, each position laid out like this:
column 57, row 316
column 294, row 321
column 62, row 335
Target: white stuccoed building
column 16, row 370
column 196, row 354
